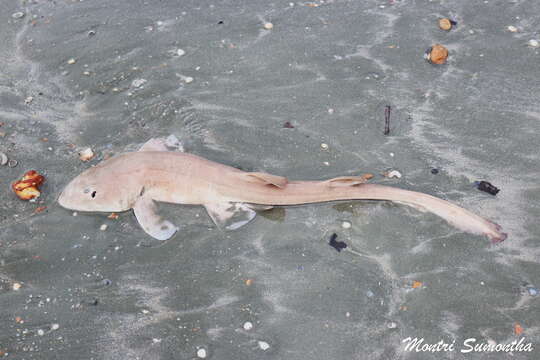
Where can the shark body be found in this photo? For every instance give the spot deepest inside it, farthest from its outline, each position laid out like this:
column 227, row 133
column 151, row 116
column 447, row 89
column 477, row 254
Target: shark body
column 138, row 180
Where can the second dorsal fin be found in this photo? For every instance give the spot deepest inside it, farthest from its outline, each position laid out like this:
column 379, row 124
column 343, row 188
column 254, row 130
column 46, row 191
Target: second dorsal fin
column 345, row 181
column 267, row 179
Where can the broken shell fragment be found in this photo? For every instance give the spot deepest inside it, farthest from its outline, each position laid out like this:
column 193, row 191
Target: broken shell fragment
column 268, row 26
column 28, row 187
column 392, row 174
column 437, row 54
column 533, row 43
column 512, row 28
column 3, row 159
column 86, row 154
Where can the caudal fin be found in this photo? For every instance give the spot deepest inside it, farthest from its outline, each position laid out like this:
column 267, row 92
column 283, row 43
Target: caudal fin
column 457, row 216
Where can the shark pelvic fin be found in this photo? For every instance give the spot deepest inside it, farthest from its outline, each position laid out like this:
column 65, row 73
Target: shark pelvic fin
column 154, row 225
column 345, row 181
column 230, row 216
column 170, row 143
column 267, row 179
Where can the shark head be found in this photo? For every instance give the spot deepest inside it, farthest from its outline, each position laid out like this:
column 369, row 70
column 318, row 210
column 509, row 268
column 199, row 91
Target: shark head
column 98, row 189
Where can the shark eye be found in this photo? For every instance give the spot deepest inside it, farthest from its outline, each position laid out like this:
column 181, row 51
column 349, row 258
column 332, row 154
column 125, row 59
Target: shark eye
column 93, row 194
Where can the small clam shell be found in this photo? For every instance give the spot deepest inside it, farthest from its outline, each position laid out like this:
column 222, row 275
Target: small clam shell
column 437, row 54
column 3, row 159
column 445, row 24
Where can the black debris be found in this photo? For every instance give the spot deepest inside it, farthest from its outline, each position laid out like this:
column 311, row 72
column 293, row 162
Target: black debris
column 434, row 171
column 338, row 245
column 487, row 187
column 387, row 111
column 288, row 125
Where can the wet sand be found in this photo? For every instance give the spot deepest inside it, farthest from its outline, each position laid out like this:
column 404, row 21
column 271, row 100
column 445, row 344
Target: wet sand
column 329, row 69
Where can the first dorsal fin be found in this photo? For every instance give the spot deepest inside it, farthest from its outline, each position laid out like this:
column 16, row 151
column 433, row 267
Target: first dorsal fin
column 345, row 181
column 267, row 179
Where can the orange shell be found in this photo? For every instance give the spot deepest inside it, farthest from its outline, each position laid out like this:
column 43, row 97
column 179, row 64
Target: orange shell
column 445, row 24
column 28, row 187
column 438, row 54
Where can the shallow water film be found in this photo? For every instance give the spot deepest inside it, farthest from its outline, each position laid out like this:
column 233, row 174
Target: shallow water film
column 305, row 90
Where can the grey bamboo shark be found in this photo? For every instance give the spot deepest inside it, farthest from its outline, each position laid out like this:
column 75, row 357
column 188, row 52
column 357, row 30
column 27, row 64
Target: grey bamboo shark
column 137, row 180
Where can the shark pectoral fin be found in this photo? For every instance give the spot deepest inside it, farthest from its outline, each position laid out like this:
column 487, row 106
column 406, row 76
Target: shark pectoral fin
column 230, row 216
column 267, row 179
column 345, row 181
column 170, row 143
column 154, row 225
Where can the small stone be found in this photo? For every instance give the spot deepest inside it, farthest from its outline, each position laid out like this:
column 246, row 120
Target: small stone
column 512, row 28
column 87, row 73
column 346, row 225
column 268, row 26
column 86, row 154
column 144, row 311
column 324, row 146
column 533, row 43
column 188, row 79
column 103, row 227
column 392, row 325
column 55, row 326
column 138, row 82
column 180, row 52
column 437, row 54
column 434, row 171
column 347, row 314
column 71, row 61
column 41, row 332
column 16, row 286
column 75, row 213
column 201, row 353
column 156, row 340
column 248, row 326
column 330, row 111
column 28, row 100
column 18, row 15
column 532, row 291
column 3, row 159
column 264, row 345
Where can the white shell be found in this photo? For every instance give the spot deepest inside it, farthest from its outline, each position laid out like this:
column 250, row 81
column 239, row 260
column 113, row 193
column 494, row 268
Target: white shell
column 3, row 159
column 512, row 28
column 201, row 353
column 393, row 174
column 533, row 43
column 86, row 154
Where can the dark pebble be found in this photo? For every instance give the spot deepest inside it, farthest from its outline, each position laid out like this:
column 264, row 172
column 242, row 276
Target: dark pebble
column 434, row 171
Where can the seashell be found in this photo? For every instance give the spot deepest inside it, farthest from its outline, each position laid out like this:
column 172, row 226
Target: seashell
column 3, row 159
column 437, row 54
column 28, row 187
column 86, row 154
column 446, row 24
column 392, row 174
